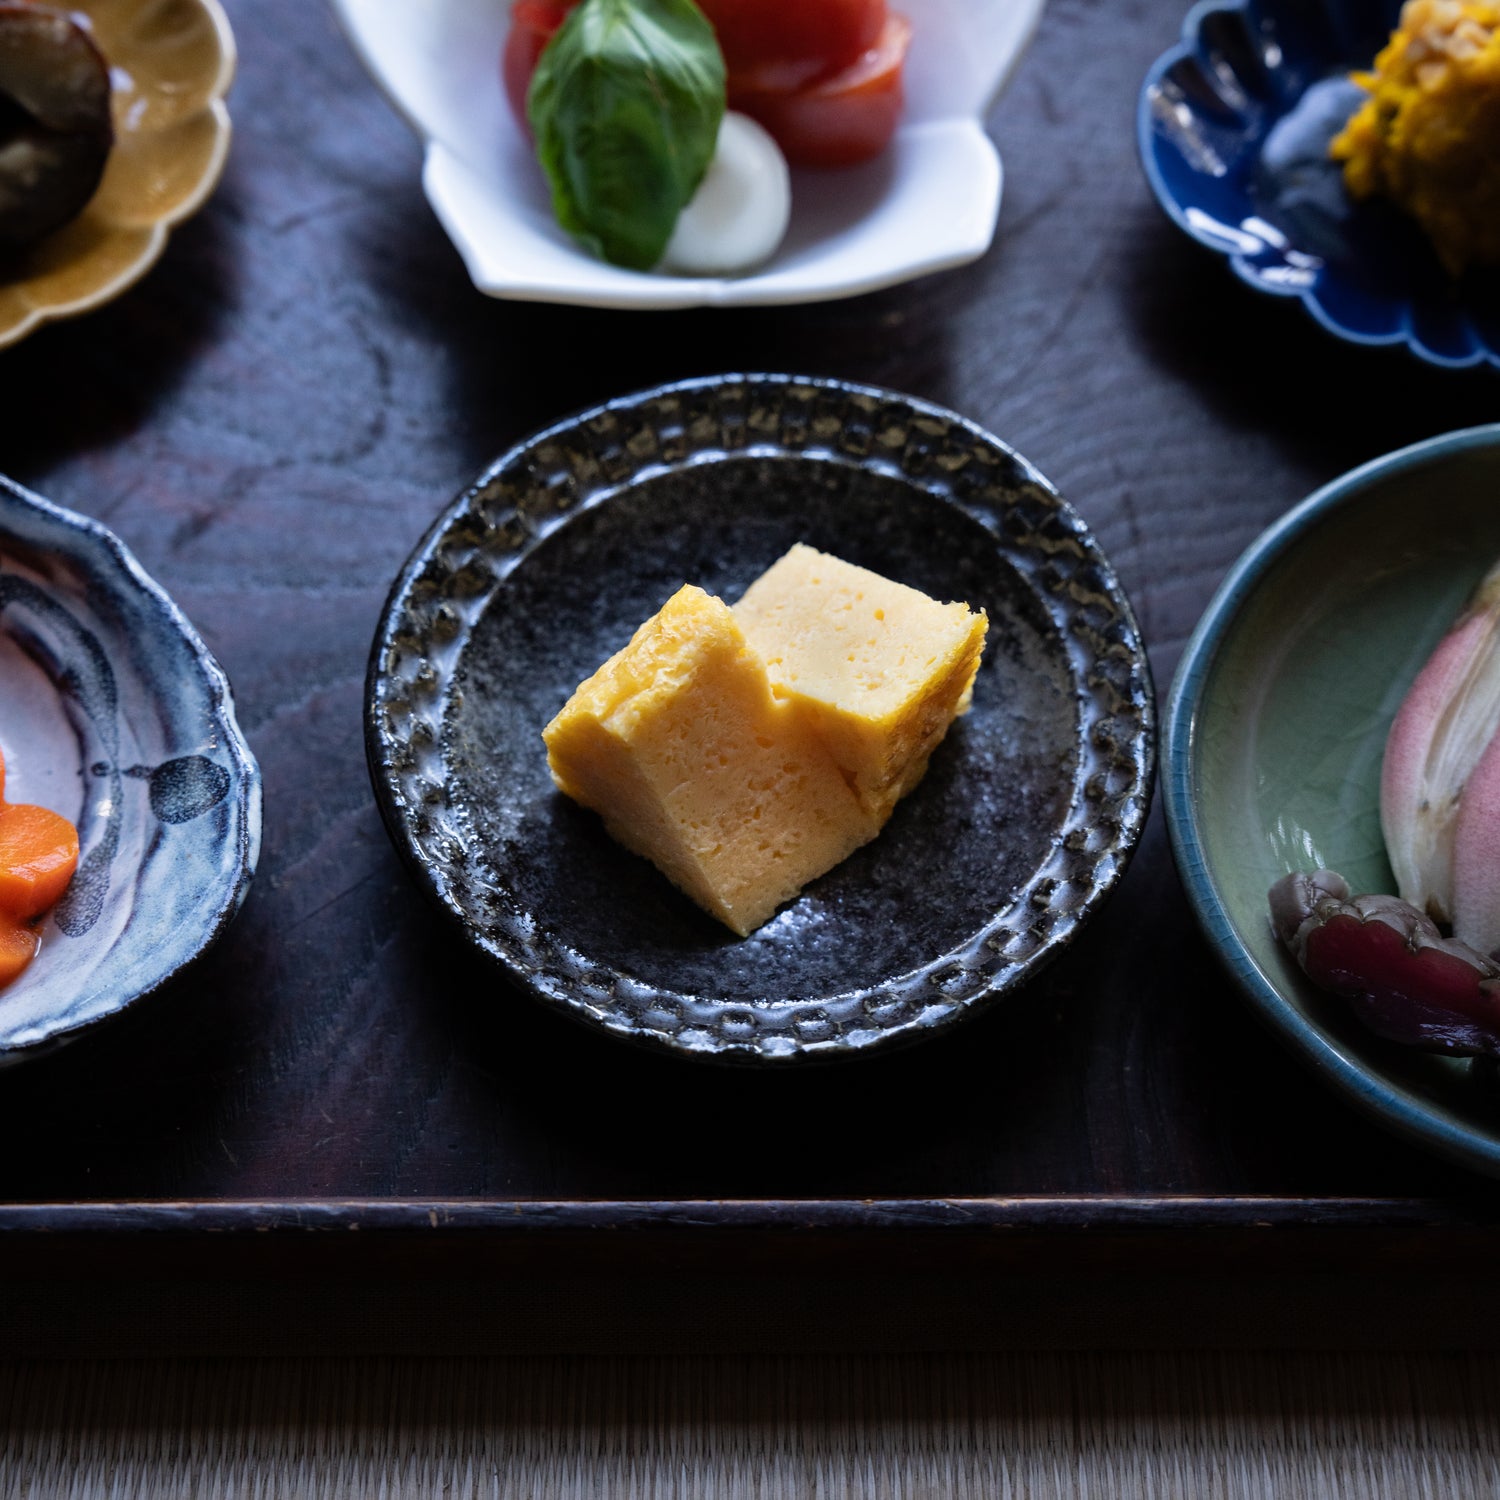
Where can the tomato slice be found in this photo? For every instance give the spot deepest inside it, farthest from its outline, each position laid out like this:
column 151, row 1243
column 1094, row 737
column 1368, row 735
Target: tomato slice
column 837, row 121
column 533, row 23
column 823, row 76
column 792, row 42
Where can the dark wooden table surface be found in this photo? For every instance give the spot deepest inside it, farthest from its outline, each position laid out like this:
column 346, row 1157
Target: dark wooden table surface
column 273, row 418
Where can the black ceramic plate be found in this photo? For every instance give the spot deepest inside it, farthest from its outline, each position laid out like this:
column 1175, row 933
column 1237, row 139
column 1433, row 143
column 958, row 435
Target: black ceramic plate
column 1026, row 818
column 114, row 714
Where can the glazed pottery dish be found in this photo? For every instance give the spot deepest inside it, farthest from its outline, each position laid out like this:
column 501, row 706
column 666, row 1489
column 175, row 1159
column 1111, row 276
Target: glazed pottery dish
column 116, row 716
column 1276, row 728
column 1234, row 125
column 171, row 62
column 1025, row 820
column 929, row 202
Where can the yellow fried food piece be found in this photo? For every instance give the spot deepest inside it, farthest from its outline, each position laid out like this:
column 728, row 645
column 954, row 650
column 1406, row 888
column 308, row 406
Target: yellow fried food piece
column 1428, row 138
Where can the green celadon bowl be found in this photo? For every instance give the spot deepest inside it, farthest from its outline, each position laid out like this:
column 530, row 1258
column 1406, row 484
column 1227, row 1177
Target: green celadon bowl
column 1276, row 727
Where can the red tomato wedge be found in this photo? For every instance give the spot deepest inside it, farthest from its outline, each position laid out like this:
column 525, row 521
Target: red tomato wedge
column 838, row 121
column 792, row 42
column 533, row 23
column 823, row 76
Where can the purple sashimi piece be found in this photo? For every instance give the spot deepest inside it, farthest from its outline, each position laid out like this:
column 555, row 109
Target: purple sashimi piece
column 1405, row 980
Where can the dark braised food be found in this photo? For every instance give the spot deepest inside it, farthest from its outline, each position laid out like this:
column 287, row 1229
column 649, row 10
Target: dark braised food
column 55, row 128
column 1404, row 979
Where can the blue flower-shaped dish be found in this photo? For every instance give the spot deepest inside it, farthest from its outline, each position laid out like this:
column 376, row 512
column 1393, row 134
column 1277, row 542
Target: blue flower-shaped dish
column 1234, row 126
column 113, row 713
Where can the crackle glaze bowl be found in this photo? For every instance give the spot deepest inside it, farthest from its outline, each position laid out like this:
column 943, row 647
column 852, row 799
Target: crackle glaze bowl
column 1234, row 124
column 114, row 714
column 171, row 63
column 1275, row 730
column 534, row 576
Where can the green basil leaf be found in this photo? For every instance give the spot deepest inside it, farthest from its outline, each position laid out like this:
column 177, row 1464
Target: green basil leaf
column 625, row 105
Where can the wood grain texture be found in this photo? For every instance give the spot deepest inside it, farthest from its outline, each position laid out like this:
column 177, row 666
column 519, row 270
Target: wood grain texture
column 1181, row 1428
column 276, row 414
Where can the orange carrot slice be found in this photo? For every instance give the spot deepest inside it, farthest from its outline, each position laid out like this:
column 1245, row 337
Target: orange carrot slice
column 18, row 947
column 38, row 854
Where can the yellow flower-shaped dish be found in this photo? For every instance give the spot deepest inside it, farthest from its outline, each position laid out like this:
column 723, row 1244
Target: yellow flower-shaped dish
column 171, row 63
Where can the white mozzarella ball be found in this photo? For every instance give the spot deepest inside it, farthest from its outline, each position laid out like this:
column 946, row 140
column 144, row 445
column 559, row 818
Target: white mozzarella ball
column 740, row 212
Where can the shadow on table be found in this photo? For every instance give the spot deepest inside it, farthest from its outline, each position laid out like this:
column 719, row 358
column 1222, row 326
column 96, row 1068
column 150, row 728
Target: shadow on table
column 129, row 356
column 517, row 366
column 1263, row 364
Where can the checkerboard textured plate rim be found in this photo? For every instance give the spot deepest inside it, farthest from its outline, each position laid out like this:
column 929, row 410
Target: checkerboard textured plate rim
column 536, row 486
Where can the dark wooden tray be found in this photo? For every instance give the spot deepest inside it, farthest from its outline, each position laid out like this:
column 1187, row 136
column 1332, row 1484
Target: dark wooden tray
column 273, row 418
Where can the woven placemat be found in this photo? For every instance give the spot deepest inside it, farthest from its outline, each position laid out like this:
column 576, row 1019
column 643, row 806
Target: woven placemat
column 1035, row 1426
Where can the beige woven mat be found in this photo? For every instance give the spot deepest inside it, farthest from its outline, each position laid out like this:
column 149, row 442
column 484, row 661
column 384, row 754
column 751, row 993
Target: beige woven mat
column 1012, row 1428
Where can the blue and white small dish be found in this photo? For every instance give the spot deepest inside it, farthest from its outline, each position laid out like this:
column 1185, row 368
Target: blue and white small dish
column 114, row 714
column 1234, row 125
